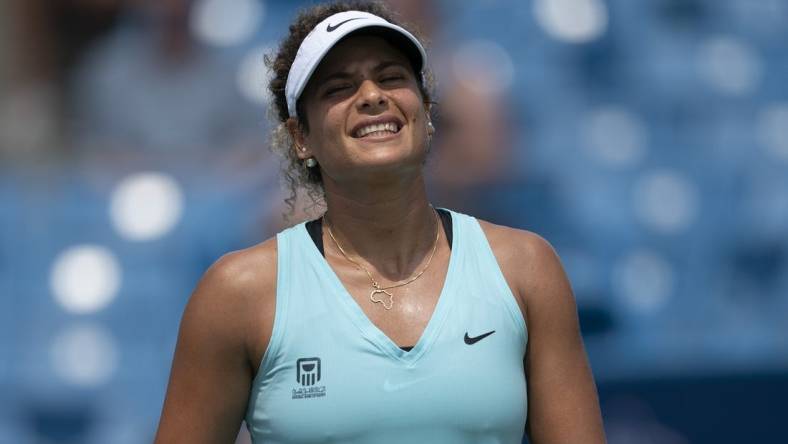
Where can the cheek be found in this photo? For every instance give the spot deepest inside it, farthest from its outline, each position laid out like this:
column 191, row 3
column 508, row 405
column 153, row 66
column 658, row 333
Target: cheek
column 327, row 133
column 334, row 124
column 412, row 107
column 323, row 123
column 418, row 119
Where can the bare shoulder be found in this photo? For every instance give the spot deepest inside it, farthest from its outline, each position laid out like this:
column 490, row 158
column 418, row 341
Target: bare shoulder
column 516, row 243
column 213, row 367
column 239, row 277
column 528, row 261
column 244, row 271
column 236, row 297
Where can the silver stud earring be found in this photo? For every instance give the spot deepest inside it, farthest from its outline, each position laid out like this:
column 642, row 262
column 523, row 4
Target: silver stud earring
column 430, row 128
column 311, row 162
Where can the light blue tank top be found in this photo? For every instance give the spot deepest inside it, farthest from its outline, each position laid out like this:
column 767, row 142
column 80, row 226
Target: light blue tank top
column 330, row 375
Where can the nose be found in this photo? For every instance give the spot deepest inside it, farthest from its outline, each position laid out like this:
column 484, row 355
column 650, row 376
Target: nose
column 371, row 98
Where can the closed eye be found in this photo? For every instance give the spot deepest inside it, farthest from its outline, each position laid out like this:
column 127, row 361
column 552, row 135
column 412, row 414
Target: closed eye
column 336, row 89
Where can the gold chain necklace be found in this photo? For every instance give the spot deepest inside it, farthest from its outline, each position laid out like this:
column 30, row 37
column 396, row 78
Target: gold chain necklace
column 376, row 288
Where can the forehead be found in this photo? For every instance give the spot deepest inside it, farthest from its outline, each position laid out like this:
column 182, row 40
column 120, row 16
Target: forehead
column 356, row 51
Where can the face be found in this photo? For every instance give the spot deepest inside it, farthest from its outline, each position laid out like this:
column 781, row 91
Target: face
column 365, row 114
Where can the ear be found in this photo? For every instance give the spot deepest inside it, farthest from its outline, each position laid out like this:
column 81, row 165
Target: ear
column 299, row 139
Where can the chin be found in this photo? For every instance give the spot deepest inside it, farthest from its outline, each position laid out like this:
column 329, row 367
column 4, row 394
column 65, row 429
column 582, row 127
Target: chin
column 393, row 156
column 386, row 164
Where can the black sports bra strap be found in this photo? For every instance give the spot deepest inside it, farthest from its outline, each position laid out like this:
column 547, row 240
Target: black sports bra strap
column 446, row 221
column 315, row 229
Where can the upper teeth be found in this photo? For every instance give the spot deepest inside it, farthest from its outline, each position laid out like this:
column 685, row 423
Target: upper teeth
column 364, row 130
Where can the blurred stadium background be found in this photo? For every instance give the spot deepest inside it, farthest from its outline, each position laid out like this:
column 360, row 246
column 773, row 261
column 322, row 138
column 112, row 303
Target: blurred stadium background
column 646, row 139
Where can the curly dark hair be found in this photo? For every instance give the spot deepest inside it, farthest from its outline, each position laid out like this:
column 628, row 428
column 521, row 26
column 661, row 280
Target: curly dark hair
column 295, row 175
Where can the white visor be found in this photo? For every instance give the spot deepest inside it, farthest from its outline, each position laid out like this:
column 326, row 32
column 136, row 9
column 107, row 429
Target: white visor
column 323, row 37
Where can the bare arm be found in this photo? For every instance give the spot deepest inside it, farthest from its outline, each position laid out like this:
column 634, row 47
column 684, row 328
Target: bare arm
column 562, row 400
column 563, row 403
column 213, row 365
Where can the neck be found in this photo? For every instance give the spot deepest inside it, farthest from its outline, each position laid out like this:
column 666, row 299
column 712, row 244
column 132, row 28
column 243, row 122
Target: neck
column 390, row 228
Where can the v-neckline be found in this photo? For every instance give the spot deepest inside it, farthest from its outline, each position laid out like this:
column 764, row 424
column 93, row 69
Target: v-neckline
column 372, row 331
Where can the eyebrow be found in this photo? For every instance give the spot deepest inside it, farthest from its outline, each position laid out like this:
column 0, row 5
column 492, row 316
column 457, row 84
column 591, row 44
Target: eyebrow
column 341, row 75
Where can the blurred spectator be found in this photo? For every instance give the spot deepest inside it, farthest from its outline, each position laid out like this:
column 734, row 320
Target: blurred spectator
column 150, row 90
column 42, row 40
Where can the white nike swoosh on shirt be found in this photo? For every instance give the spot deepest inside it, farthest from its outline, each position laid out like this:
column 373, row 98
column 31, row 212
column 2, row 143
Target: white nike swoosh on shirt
column 389, row 386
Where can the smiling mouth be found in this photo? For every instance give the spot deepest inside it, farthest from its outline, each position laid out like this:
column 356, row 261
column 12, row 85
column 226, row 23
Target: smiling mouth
column 377, row 130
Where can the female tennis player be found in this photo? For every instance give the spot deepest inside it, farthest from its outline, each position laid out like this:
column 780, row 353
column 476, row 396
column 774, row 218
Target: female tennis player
column 386, row 320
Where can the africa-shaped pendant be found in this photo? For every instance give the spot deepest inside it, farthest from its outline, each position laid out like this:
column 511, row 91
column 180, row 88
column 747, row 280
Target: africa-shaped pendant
column 381, row 301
